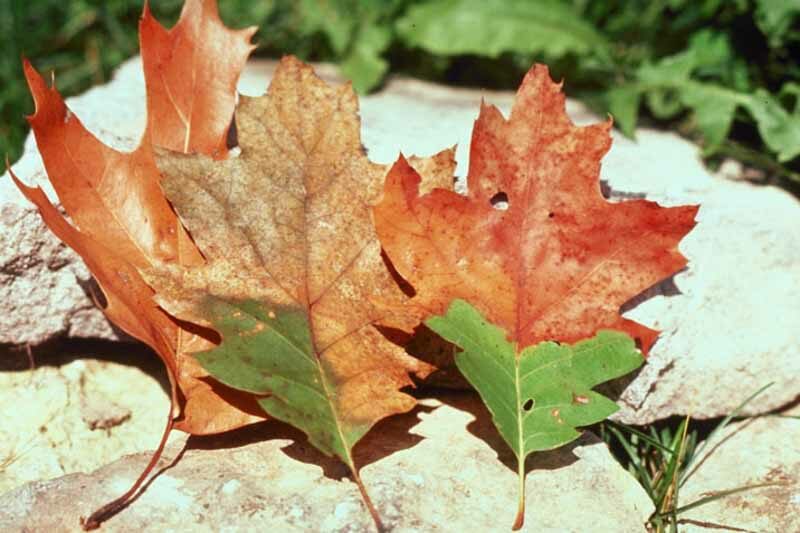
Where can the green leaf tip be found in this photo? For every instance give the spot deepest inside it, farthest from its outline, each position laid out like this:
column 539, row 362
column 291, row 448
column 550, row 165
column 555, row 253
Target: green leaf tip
column 540, row 395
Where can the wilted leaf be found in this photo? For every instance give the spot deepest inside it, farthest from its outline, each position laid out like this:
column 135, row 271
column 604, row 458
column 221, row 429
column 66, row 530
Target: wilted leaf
column 293, row 265
column 191, row 73
column 559, row 261
column 539, row 395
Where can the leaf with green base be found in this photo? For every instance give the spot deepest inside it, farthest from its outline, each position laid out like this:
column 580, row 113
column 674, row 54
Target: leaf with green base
column 540, row 394
column 293, row 271
column 269, row 350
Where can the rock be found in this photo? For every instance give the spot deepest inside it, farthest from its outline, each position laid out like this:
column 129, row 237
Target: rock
column 78, row 416
column 425, row 471
column 729, row 322
column 754, row 451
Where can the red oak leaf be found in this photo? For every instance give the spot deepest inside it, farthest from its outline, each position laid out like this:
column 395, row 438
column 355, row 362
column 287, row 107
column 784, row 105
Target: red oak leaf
column 558, row 263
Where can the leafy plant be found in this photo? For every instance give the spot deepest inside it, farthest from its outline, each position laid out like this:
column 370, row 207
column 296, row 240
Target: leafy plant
column 663, row 460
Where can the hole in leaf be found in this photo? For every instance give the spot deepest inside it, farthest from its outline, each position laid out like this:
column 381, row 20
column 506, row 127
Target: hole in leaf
column 605, row 189
column 527, row 406
column 499, row 201
column 550, row 214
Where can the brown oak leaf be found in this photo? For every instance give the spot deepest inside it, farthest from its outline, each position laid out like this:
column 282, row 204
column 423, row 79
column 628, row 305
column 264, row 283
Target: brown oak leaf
column 293, row 266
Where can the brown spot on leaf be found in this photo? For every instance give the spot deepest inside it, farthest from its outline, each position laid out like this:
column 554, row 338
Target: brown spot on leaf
column 580, row 399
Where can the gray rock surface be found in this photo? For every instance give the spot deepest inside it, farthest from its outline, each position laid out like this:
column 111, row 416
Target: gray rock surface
column 425, row 471
column 761, row 450
column 729, row 322
column 78, row 415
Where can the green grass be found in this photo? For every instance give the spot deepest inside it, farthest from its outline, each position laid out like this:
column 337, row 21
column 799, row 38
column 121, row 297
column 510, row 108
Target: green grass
column 663, row 458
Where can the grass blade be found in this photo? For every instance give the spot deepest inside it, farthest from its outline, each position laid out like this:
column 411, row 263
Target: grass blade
column 633, row 454
column 688, row 470
column 644, row 436
column 716, row 495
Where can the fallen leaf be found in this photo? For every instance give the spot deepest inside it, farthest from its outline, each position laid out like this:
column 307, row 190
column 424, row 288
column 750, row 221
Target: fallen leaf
column 558, row 263
column 191, row 72
column 539, row 395
column 126, row 223
column 293, row 267
column 536, row 250
column 115, row 199
column 130, row 302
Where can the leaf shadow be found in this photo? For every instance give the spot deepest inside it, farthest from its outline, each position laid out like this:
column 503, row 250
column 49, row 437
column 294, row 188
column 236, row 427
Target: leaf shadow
column 388, row 436
column 666, row 287
column 60, row 352
column 483, row 428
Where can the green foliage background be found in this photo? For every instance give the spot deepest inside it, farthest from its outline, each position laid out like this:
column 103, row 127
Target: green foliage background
column 724, row 72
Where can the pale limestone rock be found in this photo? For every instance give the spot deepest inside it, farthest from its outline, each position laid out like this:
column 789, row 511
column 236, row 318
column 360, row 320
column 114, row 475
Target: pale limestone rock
column 425, row 471
column 76, row 417
column 760, row 450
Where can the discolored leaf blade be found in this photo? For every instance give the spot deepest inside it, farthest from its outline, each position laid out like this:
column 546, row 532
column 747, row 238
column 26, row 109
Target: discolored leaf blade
column 555, row 265
column 561, row 260
column 190, row 74
column 540, row 395
column 269, row 350
column 285, row 229
column 129, row 300
column 112, row 196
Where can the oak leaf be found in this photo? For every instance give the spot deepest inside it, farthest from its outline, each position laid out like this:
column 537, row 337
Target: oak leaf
column 538, row 396
column 125, row 223
column 191, row 72
column 115, row 199
column 560, row 260
column 554, row 264
column 293, row 267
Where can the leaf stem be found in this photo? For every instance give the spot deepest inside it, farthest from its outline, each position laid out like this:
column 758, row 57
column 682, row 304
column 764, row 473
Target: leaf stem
column 115, row 506
column 367, row 500
column 520, row 519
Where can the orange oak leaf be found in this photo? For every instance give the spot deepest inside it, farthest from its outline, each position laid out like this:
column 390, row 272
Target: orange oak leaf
column 293, row 264
column 558, row 263
column 115, row 199
column 191, row 73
